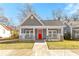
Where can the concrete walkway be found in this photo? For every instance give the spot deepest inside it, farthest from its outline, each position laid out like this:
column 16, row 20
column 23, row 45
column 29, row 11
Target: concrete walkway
column 62, row 53
column 40, row 49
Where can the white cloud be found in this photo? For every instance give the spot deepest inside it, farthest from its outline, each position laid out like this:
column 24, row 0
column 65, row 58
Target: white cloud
column 71, row 8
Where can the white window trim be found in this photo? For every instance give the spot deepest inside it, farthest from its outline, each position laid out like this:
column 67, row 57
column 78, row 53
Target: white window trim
column 30, row 32
column 76, row 35
column 52, row 31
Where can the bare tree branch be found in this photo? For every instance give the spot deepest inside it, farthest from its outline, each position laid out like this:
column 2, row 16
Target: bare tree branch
column 24, row 11
column 75, row 16
column 58, row 14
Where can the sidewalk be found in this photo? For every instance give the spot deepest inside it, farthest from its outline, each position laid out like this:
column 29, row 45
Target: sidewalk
column 61, row 52
column 18, row 52
column 5, row 52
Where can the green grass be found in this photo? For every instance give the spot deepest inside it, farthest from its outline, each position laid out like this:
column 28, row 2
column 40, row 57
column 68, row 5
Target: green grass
column 17, row 45
column 66, row 44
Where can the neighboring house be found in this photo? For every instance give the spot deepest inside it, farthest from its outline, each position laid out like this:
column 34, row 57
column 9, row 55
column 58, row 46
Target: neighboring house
column 5, row 31
column 73, row 27
column 33, row 28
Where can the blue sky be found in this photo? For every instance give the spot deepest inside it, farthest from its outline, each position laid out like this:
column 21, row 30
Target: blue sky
column 44, row 10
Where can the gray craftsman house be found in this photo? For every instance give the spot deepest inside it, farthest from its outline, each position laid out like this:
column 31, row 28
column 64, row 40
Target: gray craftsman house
column 33, row 28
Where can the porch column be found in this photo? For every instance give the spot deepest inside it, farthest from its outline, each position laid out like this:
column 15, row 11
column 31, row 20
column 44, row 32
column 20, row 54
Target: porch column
column 47, row 31
column 47, row 34
column 71, row 32
column 58, row 36
column 20, row 34
column 34, row 33
column 61, row 33
column 20, row 31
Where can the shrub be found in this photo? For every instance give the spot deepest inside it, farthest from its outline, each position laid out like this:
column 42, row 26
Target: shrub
column 67, row 36
column 15, row 36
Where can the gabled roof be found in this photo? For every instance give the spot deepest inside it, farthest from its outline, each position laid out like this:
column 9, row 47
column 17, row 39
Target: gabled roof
column 27, row 23
column 72, row 22
column 6, row 27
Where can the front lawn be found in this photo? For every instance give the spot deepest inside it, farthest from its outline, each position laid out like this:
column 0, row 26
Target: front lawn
column 17, row 45
column 66, row 44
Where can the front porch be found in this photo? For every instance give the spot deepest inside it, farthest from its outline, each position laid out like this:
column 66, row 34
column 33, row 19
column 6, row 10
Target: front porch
column 40, row 33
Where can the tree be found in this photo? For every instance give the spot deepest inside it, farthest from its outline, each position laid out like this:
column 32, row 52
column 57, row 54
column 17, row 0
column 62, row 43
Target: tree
column 58, row 14
column 24, row 11
column 75, row 15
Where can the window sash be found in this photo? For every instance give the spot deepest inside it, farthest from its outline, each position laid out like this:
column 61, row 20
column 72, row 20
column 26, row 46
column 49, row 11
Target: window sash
column 52, row 33
column 29, row 33
column 77, row 34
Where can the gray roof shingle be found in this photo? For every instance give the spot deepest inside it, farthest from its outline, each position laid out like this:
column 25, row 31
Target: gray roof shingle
column 52, row 22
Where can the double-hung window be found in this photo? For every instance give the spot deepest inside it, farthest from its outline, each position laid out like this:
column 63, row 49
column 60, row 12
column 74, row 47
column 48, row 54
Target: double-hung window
column 77, row 34
column 52, row 34
column 29, row 33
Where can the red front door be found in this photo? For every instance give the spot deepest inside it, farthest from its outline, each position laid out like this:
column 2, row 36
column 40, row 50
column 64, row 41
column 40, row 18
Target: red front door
column 40, row 34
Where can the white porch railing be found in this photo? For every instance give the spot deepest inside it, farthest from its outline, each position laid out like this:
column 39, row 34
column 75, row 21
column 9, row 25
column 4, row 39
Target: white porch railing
column 54, row 39
column 26, row 36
